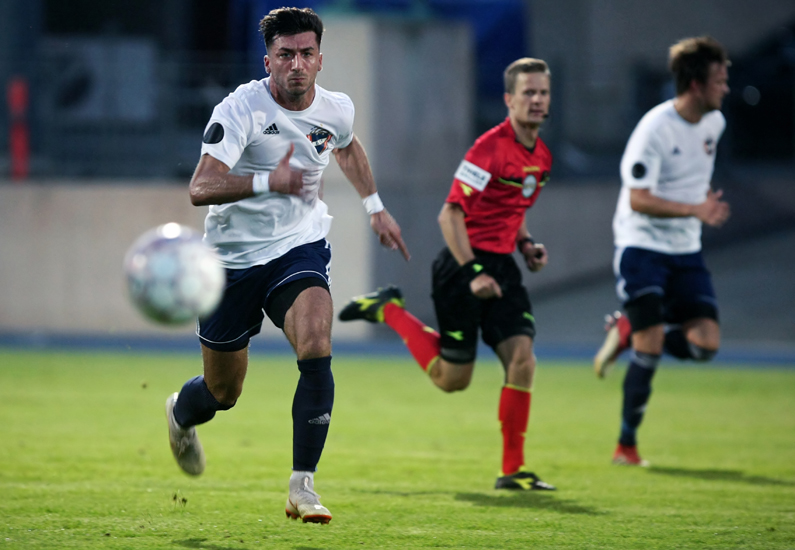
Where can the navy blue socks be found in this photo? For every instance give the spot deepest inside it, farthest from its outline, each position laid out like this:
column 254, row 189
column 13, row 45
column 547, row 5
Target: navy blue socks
column 312, row 404
column 637, row 389
column 196, row 405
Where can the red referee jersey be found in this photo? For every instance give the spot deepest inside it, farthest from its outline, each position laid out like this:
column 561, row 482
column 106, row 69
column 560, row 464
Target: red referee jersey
column 498, row 180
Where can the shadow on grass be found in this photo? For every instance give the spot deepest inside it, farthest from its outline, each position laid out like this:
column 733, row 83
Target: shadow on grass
column 529, row 499
column 201, row 543
column 720, row 475
column 404, row 493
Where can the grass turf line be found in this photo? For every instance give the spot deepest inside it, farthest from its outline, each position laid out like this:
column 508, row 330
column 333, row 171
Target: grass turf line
column 85, row 463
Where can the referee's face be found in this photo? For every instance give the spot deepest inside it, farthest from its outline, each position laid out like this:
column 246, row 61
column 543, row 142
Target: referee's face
column 293, row 62
column 529, row 102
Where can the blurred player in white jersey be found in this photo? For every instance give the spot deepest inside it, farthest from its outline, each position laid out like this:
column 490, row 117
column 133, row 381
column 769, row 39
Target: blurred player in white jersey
column 264, row 151
column 665, row 197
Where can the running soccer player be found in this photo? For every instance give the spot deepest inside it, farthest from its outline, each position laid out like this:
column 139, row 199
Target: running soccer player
column 665, row 197
column 265, row 149
column 476, row 282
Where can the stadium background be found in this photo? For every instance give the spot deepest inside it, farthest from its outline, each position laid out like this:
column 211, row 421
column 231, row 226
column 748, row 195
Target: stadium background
column 118, row 95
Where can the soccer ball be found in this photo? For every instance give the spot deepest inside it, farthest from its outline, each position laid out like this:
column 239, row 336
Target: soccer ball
column 172, row 276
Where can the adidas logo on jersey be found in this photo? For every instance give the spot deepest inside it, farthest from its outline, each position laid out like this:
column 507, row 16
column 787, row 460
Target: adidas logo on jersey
column 324, row 419
column 271, row 130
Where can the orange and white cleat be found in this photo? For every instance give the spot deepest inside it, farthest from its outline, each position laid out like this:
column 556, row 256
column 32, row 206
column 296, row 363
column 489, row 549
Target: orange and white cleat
column 617, row 340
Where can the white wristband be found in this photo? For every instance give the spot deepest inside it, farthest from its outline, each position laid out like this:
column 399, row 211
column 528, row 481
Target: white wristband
column 373, row 204
column 260, row 183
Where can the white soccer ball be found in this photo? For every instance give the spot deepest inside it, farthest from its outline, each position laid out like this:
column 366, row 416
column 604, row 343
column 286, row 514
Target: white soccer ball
column 172, row 276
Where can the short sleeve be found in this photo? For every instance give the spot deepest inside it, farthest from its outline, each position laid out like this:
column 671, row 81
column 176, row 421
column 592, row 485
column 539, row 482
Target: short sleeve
column 472, row 175
column 640, row 165
column 227, row 132
column 346, row 113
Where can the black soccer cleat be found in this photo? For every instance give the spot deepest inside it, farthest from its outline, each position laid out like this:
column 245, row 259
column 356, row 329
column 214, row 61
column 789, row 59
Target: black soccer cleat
column 523, row 481
column 370, row 307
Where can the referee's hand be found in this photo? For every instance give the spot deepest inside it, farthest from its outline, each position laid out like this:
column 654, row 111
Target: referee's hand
column 485, row 287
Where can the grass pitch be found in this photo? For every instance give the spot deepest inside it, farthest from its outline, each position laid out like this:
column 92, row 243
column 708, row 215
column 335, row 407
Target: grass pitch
column 85, row 463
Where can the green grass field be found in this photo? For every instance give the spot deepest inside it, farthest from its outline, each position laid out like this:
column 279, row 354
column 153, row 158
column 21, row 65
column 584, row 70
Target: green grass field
column 85, row 463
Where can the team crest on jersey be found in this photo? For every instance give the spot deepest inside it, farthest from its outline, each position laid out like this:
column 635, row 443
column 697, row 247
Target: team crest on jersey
column 319, row 138
column 709, row 146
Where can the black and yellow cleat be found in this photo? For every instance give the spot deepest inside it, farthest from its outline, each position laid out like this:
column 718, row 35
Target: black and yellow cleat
column 523, row 481
column 370, row 307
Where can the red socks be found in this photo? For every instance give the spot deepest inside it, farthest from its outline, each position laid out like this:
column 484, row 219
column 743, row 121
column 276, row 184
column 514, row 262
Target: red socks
column 514, row 415
column 422, row 340
column 423, row 343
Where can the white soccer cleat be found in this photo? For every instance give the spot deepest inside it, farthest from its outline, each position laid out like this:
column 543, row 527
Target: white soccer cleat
column 184, row 442
column 304, row 502
column 617, row 340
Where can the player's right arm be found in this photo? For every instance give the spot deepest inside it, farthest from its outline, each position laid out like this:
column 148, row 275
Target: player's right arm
column 712, row 211
column 454, row 231
column 640, row 172
column 228, row 133
column 213, row 184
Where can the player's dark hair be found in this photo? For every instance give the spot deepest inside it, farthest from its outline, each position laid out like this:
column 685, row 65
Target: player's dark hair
column 290, row 21
column 524, row 65
column 690, row 59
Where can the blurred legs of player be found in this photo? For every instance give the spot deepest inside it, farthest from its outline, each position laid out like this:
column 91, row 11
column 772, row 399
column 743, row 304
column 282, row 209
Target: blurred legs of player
column 425, row 344
column 682, row 321
column 302, row 308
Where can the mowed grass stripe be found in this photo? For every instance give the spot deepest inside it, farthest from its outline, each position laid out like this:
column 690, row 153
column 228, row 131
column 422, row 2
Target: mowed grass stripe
column 84, row 459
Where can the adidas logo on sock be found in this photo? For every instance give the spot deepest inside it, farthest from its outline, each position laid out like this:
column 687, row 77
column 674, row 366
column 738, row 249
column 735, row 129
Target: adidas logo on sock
column 271, row 130
column 324, row 419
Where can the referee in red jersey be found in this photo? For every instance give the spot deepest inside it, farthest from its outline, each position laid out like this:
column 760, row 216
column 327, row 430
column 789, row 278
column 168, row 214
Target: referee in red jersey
column 477, row 285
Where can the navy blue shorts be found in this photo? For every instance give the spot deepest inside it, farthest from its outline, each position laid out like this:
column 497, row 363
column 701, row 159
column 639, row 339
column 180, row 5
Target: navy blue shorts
column 248, row 293
column 668, row 288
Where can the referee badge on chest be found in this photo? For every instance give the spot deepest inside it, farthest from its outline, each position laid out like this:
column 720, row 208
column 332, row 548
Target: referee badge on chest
column 319, row 138
column 529, row 185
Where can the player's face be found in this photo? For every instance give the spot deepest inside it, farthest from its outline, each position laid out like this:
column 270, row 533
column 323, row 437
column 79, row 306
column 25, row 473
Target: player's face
column 715, row 88
column 293, row 62
column 529, row 102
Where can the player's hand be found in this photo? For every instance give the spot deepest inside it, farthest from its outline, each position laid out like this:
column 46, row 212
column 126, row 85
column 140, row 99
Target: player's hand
column 484, row 287
column 535, row 256
column 284, row 179
column 713, row 211
column 388, row 232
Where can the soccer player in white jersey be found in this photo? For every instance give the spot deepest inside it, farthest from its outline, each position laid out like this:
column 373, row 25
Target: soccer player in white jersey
column 264, row 151
column 665, row 198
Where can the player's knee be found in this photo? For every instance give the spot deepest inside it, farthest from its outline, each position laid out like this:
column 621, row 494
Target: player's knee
column 314, row 343
column 226, row 394
column 702, row 354
column 312, row 349
column 451, row 377
column 452, row 386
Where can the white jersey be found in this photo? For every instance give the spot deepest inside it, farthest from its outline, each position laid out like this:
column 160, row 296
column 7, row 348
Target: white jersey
column 674, row 159
column 250, row 132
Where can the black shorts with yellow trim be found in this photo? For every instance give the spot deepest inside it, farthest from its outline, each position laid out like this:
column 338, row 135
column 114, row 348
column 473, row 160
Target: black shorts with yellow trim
column 461, row 315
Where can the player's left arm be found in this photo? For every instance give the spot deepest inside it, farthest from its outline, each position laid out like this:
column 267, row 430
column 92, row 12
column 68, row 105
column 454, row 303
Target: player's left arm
column 535, row 254
column 355, row 165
